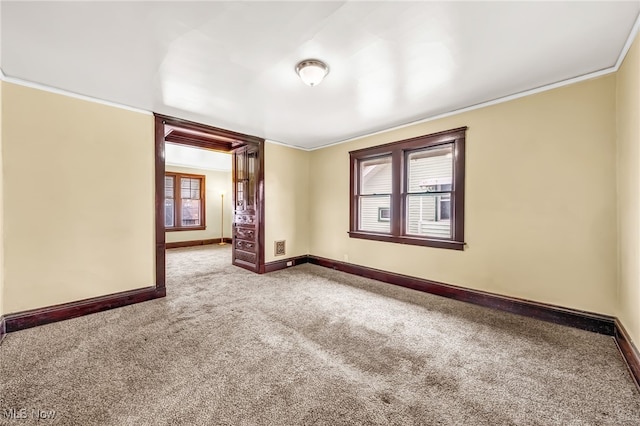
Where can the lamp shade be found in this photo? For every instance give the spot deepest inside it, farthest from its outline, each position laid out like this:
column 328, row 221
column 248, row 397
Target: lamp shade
column 312, row 71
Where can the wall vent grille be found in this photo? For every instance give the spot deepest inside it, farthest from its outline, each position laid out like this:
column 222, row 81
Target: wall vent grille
column 280, row 248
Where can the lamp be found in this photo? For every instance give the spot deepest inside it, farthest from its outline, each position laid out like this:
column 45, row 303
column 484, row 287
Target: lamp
column 221, row 243
column 312, row 71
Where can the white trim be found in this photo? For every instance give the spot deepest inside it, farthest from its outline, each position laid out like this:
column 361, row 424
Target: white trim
column 629, row 42
column 288, row 145
column 480, row 105
column 623, row 53
column 62, row 92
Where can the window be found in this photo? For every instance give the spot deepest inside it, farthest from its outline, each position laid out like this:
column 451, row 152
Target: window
column 183, row 202
column 384, row 214
column 411, row 191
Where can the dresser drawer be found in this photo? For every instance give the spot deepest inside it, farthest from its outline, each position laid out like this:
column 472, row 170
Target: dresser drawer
column 248, row 234
column 249, row 246
column 245, row 219
column 246, row 256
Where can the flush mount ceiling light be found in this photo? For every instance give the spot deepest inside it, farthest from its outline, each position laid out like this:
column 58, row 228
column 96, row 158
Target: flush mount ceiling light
column 312, row 71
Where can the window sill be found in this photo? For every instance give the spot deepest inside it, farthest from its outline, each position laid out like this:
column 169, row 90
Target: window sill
column 415, row 241
column 189, row 228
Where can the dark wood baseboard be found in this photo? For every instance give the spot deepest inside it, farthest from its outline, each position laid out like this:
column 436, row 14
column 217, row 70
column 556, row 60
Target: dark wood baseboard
column 35, row 317
column 602, row 324
column 3, row 328
column 192, row 243
column 573, row 318
column 284, row 263
column 629, row 352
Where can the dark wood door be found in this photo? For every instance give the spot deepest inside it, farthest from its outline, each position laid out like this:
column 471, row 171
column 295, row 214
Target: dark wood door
column 248, row 200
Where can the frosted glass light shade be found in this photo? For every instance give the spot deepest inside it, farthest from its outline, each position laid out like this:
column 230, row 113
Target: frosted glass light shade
column 312, row 71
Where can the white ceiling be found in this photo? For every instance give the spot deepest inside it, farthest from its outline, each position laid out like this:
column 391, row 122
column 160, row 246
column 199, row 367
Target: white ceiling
column 231, row 64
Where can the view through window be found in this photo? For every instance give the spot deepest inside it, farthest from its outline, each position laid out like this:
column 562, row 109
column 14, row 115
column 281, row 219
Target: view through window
column 410, row 191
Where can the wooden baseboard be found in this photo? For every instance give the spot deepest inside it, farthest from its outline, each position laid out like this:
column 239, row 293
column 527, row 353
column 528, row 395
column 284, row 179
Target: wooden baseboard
column 3, row 328
column 629, row 352
column 35, row 317
column 285, row 263
column 573, row 318
column 192, row 243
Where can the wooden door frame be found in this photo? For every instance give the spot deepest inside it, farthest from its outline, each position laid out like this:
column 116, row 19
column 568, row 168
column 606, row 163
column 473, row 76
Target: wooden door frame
column 198, row 135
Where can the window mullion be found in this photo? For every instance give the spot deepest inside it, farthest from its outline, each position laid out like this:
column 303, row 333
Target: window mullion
column 457, row 195
column 397, row 214
column 355, row 193
column 178, row 204
column 203, row 206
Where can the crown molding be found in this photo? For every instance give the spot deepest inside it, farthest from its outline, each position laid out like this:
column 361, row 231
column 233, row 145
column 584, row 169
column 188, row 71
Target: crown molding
column 628, row 43
column 478, row 106
column 45, row 88
column 288, row 145
column 589, row 76
column 623, row 53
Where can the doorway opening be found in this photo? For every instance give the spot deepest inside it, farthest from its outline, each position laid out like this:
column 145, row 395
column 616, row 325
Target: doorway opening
column 246, row 192
column 198, row 208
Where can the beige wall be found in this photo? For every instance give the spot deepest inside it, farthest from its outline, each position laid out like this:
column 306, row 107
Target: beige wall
column 286, row 200
column 628, row 132
column 540, row 218
column 78, row 199
column 215, row 181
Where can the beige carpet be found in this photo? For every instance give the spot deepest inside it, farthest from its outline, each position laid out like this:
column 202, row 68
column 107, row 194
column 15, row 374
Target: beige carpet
column 309, row 345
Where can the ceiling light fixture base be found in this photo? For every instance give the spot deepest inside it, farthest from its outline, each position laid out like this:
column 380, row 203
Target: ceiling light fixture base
column 312, row 71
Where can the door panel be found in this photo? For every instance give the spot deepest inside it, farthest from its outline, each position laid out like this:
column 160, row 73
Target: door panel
column 248, row 221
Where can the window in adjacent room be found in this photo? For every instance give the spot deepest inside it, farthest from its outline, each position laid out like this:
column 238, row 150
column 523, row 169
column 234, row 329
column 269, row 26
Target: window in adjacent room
column 184, row 203
column 411, row 191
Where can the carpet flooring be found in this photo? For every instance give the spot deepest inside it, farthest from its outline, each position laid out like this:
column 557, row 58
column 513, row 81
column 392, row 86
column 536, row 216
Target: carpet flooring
column 308, row 346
